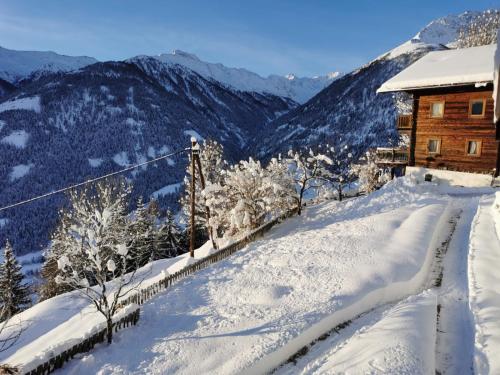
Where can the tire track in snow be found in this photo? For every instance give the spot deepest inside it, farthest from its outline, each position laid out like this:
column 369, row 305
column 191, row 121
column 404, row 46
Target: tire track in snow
column 365, row 321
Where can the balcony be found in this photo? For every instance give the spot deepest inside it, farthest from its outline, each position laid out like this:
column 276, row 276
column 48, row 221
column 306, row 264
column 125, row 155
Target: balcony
column 392, row 156
column 404, row 122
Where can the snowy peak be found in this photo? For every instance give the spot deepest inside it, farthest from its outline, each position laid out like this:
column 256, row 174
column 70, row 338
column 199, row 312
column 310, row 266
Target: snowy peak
column 290, row 86
column 16, row 65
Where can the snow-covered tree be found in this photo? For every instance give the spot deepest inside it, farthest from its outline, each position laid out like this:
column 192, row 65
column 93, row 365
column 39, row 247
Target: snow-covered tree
column 340, row 168
column 367, row 172
column 282, row 194
column 482, row 30
column 142, row 232
column 60, row 240
column 168, row 241
column 98, row 251
column 309, row 170
column 14, row 294
column 247, row 188
column 213, row 166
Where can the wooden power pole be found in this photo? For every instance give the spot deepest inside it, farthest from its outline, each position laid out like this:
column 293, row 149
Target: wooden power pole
column 195, row 151
column 195, row 162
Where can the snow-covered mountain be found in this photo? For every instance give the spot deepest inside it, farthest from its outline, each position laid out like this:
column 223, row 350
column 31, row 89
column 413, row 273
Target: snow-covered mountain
column 60, row 128
column 349, row 112
column 16, row 65
column 290, row 86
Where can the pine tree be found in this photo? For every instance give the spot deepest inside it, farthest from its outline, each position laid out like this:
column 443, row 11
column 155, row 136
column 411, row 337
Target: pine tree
column 14, row 294
column 168, row 241
column 142, row 233
column 60, row 240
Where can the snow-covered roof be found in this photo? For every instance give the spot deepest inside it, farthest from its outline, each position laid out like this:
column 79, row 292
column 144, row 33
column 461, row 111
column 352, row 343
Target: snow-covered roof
column 465, row 66
column 496, row 81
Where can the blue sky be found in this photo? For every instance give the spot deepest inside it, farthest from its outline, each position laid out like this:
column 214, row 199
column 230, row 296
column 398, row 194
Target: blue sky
column 273, row 36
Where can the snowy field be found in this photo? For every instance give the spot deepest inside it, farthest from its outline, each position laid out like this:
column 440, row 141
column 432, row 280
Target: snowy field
column 369, row 260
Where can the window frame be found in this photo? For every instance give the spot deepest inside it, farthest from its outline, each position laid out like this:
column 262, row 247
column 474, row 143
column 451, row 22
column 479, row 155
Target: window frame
column 479, row 148
column 436, row 102
column 483, row 100
column 438, row 151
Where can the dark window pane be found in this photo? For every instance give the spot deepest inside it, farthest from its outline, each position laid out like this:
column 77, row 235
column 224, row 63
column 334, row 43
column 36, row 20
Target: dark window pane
column 477, row 108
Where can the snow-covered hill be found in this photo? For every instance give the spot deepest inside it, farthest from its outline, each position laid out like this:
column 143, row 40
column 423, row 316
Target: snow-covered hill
column 297, row 88
column 349, row 111
column 16, row 65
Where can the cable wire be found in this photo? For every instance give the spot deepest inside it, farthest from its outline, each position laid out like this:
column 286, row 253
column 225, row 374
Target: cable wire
column 92, row 180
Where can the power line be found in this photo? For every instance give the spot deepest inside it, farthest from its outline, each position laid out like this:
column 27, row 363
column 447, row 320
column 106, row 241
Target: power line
column 92, row 180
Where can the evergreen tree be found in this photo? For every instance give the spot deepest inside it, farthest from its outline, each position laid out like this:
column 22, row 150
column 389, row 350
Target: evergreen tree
column 168, row 242
column 142, row 234
column 60, row 240
column 14, row 294
column 482, row 30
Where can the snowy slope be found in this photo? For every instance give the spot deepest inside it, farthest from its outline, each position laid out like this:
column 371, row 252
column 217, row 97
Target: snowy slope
column 251, row 311
column 16, row 65
column 297, row 88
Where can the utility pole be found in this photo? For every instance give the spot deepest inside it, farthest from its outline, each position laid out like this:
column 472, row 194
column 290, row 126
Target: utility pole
column 195, row 151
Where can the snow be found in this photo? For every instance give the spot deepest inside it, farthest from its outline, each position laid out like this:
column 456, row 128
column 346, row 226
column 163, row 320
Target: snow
column 15, row 65
column 19, row 171
column 121, row 159
column 291, row 86
column 3, row 222
column 390, row 342
column 484, row 258
column 249, row 313
column 17, row 138
column 55, row 324
column 169, row 189
column 450, row 67
column 367, row 260
column 2, row 124
column 28, row 104
column 450, row 178
column 95, row 163
column 194, row 134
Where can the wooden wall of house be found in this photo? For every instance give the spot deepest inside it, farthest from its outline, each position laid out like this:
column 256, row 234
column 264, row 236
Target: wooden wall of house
column 454, row 129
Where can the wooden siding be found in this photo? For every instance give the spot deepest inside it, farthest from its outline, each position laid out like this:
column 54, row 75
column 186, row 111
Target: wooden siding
column 454, row 129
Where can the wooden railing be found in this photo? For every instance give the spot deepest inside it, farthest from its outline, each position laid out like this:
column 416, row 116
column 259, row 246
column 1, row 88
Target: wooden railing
column 404, row 122
column 392, row 156
column 145, row 294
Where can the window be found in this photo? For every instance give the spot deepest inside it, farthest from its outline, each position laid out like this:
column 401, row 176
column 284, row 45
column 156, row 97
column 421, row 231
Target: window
column 433, row 146
column 473, row 147
column 437, row 109
column 477, row 107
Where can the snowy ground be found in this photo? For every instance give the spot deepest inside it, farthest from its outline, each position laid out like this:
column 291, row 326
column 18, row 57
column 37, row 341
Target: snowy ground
column 369, row 260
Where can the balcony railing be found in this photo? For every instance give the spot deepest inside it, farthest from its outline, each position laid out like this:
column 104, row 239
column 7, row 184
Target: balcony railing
column 392, row 156
column 404, row 122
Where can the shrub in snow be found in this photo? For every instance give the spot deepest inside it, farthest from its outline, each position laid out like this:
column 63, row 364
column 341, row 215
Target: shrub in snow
column 97, row 234
column 14, row 294
column 482, row 30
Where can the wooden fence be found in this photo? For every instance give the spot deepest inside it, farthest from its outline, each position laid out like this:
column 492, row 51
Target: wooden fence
column 145, row 294
column 84, row 346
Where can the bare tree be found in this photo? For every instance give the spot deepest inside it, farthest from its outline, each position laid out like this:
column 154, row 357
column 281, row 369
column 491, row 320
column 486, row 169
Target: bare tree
column 10, row 332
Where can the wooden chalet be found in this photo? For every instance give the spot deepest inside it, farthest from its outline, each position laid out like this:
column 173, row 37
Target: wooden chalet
column 452, row 125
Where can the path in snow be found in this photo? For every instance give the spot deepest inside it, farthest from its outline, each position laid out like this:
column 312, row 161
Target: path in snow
column 455, row 336
column 362, row 345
